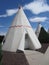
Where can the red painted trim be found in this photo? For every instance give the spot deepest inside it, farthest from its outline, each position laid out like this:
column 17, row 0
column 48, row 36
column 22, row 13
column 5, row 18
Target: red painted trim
column 20, row 26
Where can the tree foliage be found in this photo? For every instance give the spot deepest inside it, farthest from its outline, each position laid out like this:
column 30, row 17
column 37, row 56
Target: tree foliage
column 43, row 36
column 1, row 38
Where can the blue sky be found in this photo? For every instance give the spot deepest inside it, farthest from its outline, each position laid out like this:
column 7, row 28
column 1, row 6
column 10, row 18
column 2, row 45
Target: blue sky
column 38, row 12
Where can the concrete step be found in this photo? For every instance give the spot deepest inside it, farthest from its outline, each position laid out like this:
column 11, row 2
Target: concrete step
column 33, row 57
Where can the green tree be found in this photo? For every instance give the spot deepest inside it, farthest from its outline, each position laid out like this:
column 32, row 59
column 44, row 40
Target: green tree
column 43, row 36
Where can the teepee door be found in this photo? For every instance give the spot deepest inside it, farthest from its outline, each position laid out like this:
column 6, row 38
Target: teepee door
column 26, row 42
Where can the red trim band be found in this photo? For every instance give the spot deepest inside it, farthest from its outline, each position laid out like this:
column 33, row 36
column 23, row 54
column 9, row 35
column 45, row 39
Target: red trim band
column 20, row 26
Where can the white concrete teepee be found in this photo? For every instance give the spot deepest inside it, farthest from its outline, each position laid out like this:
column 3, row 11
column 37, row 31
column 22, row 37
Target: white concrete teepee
column 20, row 35
column 38, row 29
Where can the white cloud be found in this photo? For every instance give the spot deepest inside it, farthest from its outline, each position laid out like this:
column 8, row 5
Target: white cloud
column 38, row 19
column 4, row 15
column 9, row 12
column 1, row 26
column 2, row 33
column 37, row 6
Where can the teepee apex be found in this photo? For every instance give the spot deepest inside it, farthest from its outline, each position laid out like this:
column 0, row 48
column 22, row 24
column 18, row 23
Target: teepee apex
column 38, row 29
column 20, row 7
